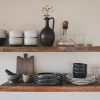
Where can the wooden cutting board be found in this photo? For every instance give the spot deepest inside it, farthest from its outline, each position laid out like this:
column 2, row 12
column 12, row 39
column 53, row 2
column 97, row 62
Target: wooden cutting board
column 25, row 65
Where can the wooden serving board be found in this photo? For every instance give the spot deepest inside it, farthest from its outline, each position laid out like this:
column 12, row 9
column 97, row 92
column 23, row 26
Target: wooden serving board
column 25, row 65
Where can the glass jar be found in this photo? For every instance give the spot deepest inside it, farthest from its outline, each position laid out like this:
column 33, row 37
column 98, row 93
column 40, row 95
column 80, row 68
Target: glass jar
column 65, row 41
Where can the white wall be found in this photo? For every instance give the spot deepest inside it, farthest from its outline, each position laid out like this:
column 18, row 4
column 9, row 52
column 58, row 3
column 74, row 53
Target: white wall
column 49, row 96
column 83, row 17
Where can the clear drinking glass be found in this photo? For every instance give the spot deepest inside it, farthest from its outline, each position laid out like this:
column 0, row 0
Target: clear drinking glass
column 97, row 74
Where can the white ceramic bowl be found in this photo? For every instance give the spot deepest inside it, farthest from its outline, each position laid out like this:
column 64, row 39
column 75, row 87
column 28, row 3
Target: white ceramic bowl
column 15, row 34
column 28, row 34
column 15, row 41
column 30, row 41
column 12, row 77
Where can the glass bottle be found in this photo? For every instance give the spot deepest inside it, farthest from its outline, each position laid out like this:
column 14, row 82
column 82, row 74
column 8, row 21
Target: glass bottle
column 64, row 40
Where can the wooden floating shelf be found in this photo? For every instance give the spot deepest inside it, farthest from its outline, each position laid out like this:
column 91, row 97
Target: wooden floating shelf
column 49, row 49
column 64, row 88
column 27, row 49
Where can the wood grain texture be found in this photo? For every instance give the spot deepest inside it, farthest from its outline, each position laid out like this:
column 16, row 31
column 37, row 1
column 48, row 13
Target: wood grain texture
column 27, row 49
column 25, row 65
column 64, row 88
column 49, row 49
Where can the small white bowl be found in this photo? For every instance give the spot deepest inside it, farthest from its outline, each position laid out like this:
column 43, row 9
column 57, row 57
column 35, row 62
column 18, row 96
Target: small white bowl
column 15, row 41
column 28, row 34
column 15, row 34
column 12, row 78
column 31, row 41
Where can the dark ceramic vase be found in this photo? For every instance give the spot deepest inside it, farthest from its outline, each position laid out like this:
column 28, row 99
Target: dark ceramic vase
column 2, row 41
column 47, row 35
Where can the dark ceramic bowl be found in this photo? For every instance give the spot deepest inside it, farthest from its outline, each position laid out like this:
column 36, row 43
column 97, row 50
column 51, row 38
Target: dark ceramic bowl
column 79, row 74
column 80, row 69
column 2, row 41
column 80, row 65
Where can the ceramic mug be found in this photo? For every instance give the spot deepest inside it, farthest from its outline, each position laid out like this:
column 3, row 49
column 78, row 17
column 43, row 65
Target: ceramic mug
column 25, row 78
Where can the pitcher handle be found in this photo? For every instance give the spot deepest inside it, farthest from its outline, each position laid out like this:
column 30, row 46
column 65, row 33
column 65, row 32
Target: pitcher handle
column 53, row 22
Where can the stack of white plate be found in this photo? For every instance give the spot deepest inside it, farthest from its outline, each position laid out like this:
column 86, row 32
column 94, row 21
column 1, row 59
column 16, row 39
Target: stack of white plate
column 80, row 81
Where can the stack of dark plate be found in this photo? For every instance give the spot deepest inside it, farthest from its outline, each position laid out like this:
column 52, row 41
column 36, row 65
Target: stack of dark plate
column 48, row 79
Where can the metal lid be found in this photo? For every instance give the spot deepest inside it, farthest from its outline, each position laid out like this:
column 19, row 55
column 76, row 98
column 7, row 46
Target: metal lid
column 30, row 33
column 15, row 34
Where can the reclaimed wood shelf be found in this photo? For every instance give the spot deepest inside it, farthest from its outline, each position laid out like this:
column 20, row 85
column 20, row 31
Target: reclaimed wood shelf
column 49, row 49
column 63, row 88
